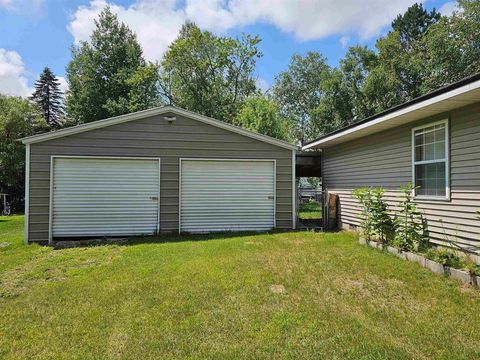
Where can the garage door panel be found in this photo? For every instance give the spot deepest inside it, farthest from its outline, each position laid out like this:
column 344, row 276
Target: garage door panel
column 99, row 197
column 227, row 195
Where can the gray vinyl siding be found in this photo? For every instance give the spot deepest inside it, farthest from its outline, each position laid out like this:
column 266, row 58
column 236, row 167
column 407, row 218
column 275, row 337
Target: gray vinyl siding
column 384, row 159
column 154, row 137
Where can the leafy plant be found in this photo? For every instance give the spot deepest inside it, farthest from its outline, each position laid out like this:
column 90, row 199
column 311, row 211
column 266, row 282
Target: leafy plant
column 445, row 257
column 474, row 269
column 375, row 219
column 410, row 225
column 364, row 196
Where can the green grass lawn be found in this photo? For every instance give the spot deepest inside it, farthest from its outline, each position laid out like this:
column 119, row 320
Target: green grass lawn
column 281, row 295
column 310, row 210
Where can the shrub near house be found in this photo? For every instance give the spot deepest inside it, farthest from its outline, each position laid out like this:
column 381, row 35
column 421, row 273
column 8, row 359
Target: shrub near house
column 408, row 232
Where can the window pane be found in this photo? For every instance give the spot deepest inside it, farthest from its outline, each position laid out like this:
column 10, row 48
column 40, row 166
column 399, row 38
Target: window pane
column 419, row 172
column 440, row 133
column 421, row 187
column 431, row 179
column 429, row 153
column 418, row 153
column 418, row 139
column 430, row 137
column 440, row 150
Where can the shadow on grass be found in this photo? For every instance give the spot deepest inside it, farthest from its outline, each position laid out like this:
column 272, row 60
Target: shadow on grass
column 160, row 239
column 183, row 237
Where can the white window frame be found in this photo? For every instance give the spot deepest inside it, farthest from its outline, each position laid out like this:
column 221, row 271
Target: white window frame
column 447, row 161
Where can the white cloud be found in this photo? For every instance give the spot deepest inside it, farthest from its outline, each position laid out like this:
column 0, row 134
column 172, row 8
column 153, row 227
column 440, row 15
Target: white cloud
column 13, row 75
column 344, row 40
column 157, row 22
column 448, row 8
column 63, row 83
column 262, row 84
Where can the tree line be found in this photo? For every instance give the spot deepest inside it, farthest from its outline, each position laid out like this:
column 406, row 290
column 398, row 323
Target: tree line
column 216, row 76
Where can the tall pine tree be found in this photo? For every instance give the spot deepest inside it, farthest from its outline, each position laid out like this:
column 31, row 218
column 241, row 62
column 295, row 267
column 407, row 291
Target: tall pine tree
column 49, row 97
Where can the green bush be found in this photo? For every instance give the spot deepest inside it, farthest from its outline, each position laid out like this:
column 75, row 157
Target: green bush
column 410, row 225
column 376, row 223
column 445, row 257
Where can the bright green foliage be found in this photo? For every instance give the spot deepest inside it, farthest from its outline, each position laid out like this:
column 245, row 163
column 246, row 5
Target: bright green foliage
column 143, row 84
column 209, row 74
column 262, row 115
column 453, row 46
column 376, row 223
column 49, row 98
column 364, row 196
column 299, row 91
column 446, row 257
column 108, row 76
column 355, row 67
column 345, row 99
column 310, row 210
column 18, row 118
column 382, row 223
column 473, row 268
column 411, row 227
column 334, row 109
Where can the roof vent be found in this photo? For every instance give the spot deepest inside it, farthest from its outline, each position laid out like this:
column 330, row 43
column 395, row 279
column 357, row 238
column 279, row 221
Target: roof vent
column 170, row 119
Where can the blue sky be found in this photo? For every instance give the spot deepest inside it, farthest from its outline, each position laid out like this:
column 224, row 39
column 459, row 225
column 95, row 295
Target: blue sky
column 39, row 33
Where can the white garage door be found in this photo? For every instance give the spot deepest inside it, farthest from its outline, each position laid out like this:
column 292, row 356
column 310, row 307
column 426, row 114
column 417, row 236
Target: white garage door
column 105, row 196
column 227, row 195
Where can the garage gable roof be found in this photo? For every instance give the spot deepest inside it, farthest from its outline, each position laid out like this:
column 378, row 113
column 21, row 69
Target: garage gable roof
column 152, row 112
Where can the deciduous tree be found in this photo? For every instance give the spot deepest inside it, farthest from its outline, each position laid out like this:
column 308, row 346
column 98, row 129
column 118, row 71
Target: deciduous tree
column 108, row 76
column 262, row 115
column 299, row 91
column 209, row 74
column 18, row 118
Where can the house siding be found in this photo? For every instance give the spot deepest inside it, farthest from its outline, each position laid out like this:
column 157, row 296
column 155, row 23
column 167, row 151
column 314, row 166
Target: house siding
column 384, row 159
column 155, row 137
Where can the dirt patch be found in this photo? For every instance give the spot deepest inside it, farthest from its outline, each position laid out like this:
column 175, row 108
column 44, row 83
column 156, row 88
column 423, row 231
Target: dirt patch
column 277, row 289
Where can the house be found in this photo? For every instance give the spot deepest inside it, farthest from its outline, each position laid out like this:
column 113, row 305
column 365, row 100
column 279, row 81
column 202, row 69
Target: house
column 156, row 171
column 432, row 141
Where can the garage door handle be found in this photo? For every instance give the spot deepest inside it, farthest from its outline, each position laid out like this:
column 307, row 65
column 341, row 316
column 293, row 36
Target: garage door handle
column 153, row 198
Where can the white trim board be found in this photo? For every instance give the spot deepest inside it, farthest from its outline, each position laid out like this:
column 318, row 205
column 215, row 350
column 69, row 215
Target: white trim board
column 445, row 122
column 27, row 192
column 294, row 192
column 152, row 112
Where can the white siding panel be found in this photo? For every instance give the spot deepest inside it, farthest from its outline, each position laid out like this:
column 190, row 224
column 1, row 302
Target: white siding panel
column 105, row 196
column 227, row 195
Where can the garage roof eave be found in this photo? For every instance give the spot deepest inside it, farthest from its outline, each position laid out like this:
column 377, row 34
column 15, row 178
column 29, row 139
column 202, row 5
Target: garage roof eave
column 152, row 112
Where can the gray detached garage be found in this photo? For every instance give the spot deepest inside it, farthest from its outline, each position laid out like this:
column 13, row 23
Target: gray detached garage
column 156, row 171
